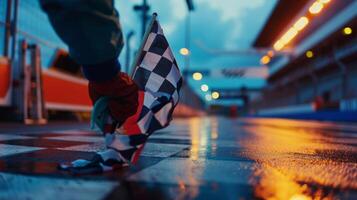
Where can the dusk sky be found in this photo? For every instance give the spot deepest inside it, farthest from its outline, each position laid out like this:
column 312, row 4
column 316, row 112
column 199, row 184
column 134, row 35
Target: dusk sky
column 215, row 24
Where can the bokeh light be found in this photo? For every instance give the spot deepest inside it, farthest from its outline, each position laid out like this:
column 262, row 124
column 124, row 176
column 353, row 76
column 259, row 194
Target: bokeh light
column 197, row 76
column 309, row 54
column 347, row 31
column 215, row 95
column 184, row 51
column 265, row 60
column 208, row 97
column 204, row 88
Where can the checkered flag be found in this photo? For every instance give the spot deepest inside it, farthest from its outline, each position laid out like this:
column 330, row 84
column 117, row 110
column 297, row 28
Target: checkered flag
column 159, row 80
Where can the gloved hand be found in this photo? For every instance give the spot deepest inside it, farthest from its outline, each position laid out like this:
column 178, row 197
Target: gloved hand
column 123, row 94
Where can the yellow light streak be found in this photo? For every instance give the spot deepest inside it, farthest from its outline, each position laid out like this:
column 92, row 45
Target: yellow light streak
column 278, row 45
column 316, row 7
column 324, row 1
column 301, row 23
column 289, row 35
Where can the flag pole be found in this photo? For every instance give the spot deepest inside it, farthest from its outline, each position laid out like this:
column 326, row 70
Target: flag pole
column 146, row 35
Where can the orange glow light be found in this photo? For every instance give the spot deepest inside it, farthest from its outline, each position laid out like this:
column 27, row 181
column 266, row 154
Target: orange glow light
column 300, row 197
column 316, row 7
column 301, row 23
column 265, row 60
column 270, row 53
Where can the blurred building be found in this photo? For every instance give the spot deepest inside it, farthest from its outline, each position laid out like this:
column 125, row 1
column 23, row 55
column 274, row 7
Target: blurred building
column 312, row 65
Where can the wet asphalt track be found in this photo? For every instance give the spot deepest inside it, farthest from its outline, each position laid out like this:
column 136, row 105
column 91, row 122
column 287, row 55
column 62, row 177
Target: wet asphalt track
column 197, row 158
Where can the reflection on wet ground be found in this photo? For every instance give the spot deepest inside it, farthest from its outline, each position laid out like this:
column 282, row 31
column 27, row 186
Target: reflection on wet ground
column 197, row 158
column 297, row 160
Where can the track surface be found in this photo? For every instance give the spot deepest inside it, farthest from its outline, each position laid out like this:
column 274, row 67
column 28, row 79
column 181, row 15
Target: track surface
column 197, row 158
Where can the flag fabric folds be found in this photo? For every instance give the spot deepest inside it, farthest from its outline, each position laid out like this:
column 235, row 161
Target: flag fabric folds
column 159, row 80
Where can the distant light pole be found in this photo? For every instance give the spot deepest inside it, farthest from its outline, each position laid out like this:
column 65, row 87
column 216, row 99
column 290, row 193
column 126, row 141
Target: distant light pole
column 7, row 27
column 186, row 51
column 190, row 5
column 188, row 41
column 129, row 35
column 144, row 9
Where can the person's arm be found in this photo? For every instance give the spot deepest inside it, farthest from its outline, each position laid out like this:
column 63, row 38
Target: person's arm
column 92, row 31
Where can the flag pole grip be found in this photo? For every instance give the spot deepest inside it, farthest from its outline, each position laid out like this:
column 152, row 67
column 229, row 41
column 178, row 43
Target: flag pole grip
column 146, row 35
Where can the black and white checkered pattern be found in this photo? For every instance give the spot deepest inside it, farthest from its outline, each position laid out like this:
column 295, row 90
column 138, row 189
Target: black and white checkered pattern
column 158, row 75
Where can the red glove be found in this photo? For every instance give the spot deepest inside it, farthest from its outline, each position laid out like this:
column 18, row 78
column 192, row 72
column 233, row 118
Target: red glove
column 123, row 93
